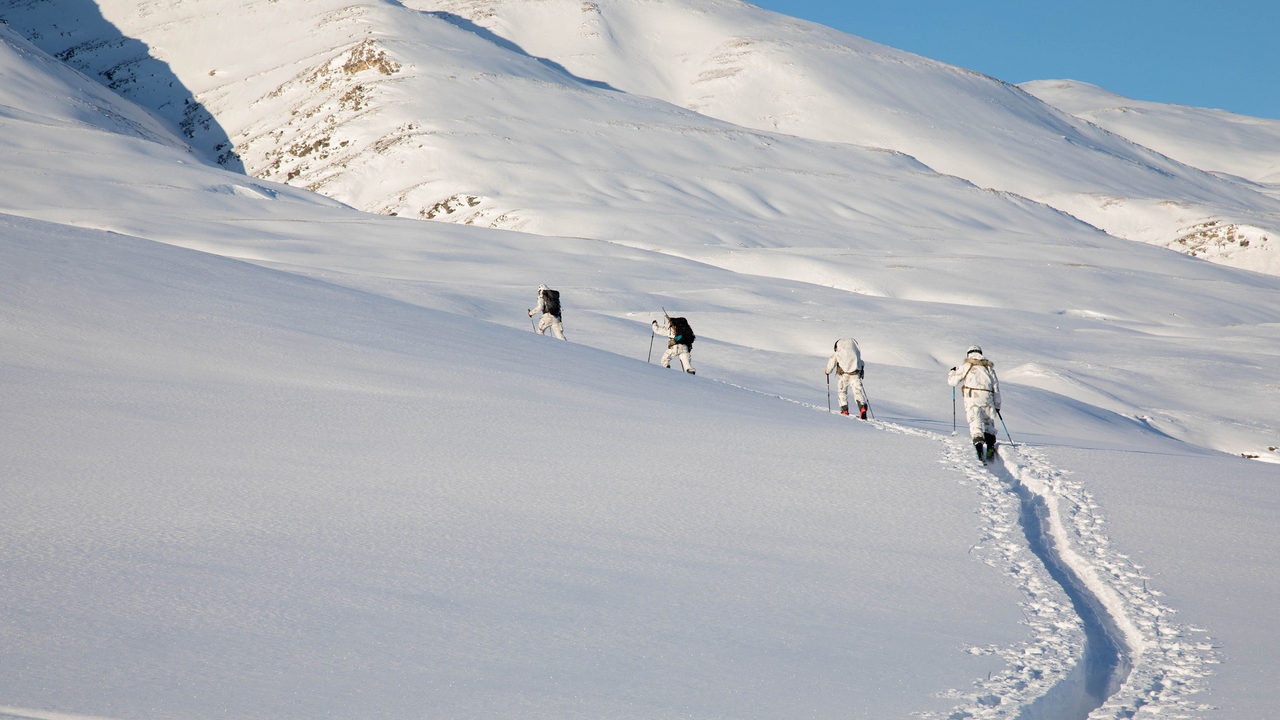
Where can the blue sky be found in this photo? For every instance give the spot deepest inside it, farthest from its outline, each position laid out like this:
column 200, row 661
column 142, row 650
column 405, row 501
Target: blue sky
column 1219, row 54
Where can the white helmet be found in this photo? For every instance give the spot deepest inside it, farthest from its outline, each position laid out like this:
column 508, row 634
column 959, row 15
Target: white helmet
column 973, row 349
column 542, row 288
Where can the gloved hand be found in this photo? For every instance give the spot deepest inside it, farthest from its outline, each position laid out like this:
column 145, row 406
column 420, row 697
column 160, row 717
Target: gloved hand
column 530, row 314
column 953, row 368
column 861, row 372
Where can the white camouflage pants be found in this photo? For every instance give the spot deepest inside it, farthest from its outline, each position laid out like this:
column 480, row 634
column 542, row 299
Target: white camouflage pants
column 551, row 321
column 681, row 351
column 847, row 382
column 982, row 419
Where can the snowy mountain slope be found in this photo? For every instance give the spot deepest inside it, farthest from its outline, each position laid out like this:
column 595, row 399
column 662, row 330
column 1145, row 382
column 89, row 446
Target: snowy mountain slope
column 404, row 112
column 1056, row 293
column 299, row 388
column 761, row 70
column 276, row 368
column 48, row 93
column 322, row 486
column 1213, row 140
column 249, row 475
column 1061, row 282
column 1232, row 145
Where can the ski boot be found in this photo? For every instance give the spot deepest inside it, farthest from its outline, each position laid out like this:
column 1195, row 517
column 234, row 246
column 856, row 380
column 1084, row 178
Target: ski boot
column 862, row 411
column 844, row 409
column 990, row 440
column 980, row 450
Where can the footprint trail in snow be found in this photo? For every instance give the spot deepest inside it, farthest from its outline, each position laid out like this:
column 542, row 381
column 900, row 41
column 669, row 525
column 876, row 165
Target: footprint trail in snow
column 1101, row 642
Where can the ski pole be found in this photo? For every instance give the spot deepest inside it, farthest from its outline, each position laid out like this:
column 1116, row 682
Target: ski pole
column 650, row 358
column 532, row 322
column 953, row 410
column 828, row 392
column 1006, row 427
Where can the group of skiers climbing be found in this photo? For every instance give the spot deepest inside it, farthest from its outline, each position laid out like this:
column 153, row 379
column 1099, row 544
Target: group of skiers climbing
column 677, row 329
column 975, row 377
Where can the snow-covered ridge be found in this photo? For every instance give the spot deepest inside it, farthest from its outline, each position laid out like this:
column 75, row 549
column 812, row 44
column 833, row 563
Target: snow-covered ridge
column 40, row 90
column 611, row 81
column 758, row 69
column 1213, row 140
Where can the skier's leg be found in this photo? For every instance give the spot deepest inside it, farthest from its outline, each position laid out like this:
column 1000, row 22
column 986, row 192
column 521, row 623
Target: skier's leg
column 543, row 323
column 666, row 356
column 989, row 430
column 686, row 359
column 843, row 393
column 557, row 328
column 973, row 413
column 859, row 395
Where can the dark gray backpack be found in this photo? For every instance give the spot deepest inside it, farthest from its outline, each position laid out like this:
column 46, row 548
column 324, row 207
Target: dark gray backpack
column 682, row 332
column 551, row 301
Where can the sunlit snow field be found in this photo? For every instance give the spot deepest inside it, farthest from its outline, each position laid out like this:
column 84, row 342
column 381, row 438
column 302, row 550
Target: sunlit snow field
column 269, row 455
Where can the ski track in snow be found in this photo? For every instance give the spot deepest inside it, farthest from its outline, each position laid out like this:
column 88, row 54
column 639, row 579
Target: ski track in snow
column 1168, row 663
column 1171, row 662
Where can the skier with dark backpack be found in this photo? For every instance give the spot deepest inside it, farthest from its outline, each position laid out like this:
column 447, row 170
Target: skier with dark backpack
column 680, row 339
column 548, row 308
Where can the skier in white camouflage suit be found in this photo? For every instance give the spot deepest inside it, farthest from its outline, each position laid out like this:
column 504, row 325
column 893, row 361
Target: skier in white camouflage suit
column 680, row 339
column 548, row 308
column 846, row 360
column 976, row 378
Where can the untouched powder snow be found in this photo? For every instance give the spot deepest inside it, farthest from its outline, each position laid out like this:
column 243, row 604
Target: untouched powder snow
column 269, row 456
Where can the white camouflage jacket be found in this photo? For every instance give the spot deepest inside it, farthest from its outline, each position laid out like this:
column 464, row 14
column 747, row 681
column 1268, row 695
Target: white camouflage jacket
column 977, row 380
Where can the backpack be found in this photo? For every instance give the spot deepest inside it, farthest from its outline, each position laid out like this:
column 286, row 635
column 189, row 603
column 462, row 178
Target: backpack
column 682, row 333
column 848, row 356
column 982, row 381
column 551, row 301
